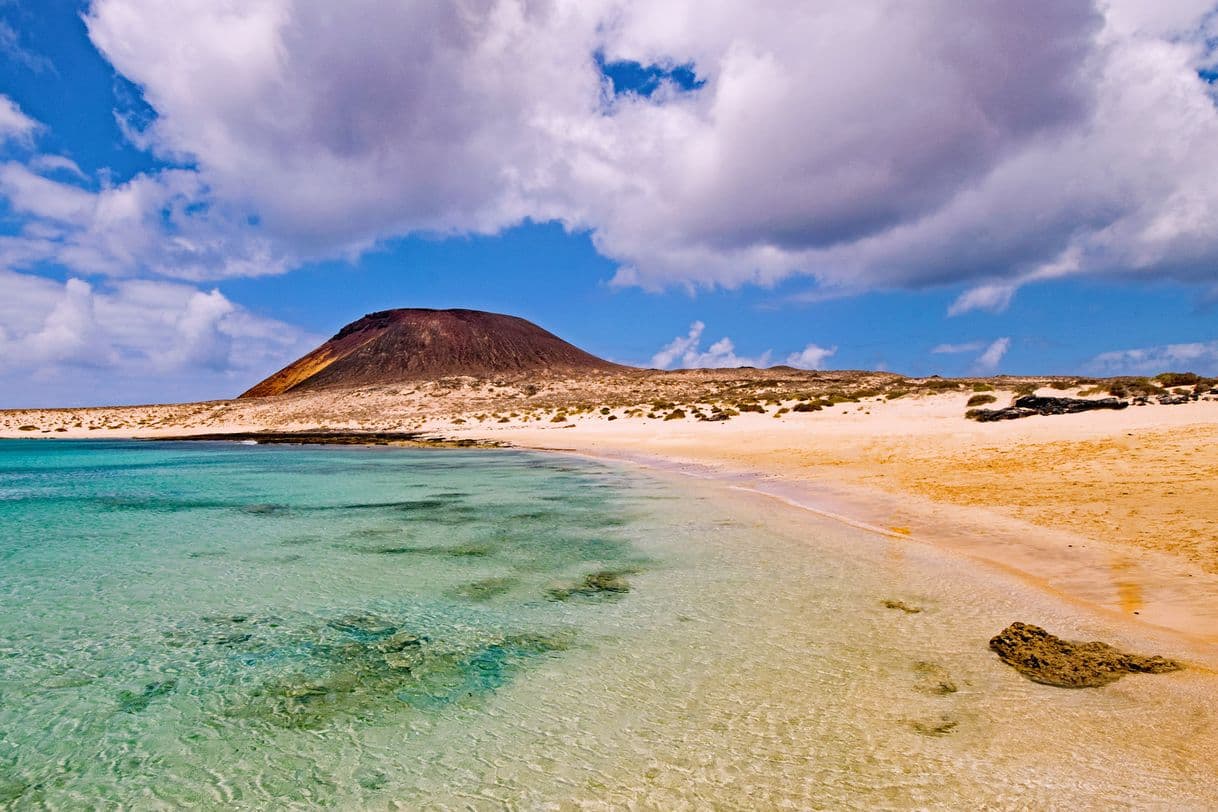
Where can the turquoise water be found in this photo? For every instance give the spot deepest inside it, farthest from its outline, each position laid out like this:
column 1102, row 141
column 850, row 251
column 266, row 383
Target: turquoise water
column 223, row 626
column 170, row 609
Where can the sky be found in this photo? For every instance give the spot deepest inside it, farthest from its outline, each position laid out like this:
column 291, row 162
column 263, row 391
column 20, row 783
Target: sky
column 193, row 194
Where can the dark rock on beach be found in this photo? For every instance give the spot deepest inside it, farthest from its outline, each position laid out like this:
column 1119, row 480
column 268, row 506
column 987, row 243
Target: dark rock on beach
column 901, row 605
column 1032, row 405
column 1044, row 658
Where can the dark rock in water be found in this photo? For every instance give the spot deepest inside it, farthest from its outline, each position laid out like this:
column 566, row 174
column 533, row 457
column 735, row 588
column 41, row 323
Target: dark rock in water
column 1031, row 405
column 229, row 638
column 264, row 509
column 399, row 642
column 485, row 589
column 1044, row 658
column 938, row 727
column 904, row 607
column 12, row 791
column 135, row 701
column 933, row 679
column 597, row 584
column 363, row 625
column 470, row 551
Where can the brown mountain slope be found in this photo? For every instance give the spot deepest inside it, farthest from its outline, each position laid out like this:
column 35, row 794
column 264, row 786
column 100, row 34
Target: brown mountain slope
column 414, row 344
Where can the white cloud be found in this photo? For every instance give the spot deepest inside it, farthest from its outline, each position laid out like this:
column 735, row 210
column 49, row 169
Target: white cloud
column 686, row 352
column 161, row 224
column 811, row 357
column 993, row 298
column 952, row 349
column 678, row 347
column 1200, row 357
column 989, row 360
column 136, row 335
column 1018, row 143
column 14, row 124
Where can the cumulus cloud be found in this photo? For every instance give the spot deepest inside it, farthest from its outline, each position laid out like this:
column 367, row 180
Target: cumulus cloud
column 161, row 224
column 989, row 360
column 812, row 356
column 98, row 342
column 861, row 144
column 686, row 352
column 1201, row 357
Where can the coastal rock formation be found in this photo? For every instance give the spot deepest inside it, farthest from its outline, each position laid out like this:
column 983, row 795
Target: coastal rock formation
column 391, row 346
column 1030, row 405
column 1044, row 658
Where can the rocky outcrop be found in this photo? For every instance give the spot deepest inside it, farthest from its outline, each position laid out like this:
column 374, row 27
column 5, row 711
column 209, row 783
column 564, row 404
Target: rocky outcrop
column 1032, row 405
column 1050, row 660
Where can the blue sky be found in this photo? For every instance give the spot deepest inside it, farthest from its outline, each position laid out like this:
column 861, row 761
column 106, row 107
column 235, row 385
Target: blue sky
column 189, row 200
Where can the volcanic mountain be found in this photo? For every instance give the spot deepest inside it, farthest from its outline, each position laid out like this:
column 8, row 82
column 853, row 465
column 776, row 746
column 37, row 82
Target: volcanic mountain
column 418, row 344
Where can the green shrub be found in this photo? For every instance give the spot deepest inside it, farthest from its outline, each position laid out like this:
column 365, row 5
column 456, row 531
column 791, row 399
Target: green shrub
column 978, row 386
column 675, row 414
column 751, row 407
column 980, row 400
column 1169, row 379
column 807, row 407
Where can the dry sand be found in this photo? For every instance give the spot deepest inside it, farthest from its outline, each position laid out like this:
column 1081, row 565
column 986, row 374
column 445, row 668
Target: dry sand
column 1116, row 511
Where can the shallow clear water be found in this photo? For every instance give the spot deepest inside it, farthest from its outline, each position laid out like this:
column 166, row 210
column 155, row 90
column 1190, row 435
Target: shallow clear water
column 232, row 626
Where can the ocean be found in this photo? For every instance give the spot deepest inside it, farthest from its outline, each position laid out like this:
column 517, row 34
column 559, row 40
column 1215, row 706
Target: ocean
column 215, row 625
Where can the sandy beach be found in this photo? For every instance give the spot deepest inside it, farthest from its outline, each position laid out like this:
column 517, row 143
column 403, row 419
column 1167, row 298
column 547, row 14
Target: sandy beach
column 1116, row 511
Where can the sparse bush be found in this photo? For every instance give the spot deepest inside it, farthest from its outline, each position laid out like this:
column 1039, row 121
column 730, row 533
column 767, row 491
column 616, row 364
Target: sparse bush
column 980, row 400
column 1169, row 379
column 751, row 407
column 978, row 386
column 899, row 393
column 1133, row 387
column 27, row 428
column 561, row 417
column 675, row 414
column 814, row 406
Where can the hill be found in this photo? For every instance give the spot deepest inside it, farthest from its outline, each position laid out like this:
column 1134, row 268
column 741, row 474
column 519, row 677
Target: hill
column 420, row 344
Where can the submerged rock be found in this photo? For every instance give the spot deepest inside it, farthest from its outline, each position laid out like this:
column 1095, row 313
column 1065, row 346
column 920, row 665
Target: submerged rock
column 936, row 727
column 135, row 701
column 1044, row 658
column 933, row 679
column 597, row 584
column 363, row 624
column 485, row 589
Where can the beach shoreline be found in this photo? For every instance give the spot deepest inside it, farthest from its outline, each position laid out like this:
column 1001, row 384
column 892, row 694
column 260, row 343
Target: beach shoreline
column 1033, row 498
